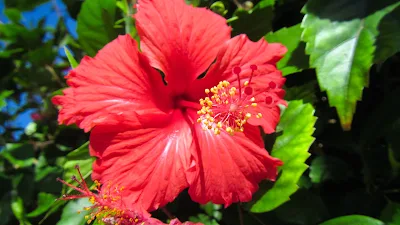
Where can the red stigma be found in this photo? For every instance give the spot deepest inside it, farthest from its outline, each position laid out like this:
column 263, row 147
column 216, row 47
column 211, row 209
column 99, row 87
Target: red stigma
column 268, row 100
column 236, row 70
column 248, row 90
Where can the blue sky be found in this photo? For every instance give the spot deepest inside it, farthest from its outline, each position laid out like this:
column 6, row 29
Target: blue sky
column 30, row 19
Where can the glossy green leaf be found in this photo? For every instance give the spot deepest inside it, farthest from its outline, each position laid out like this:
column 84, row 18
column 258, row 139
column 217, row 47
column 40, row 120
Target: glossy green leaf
column 295, row 59
column 255, row 22
column 353, row 220
column 297, row 124
column 340, row 40
column 71, row 58
column 96, row 25
column 45, row 200
column 70, row 215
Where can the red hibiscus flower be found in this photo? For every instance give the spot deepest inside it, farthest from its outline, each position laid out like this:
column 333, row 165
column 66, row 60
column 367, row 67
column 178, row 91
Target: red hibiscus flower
column 195, row 126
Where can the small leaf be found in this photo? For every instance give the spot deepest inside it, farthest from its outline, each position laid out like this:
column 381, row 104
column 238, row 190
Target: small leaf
column 71, row 58
column 45, row 200
column 13, row 14
column 295, row 59
column 340, row 43
column 297, row 124
column 70, row 213
column 3, row 96
column 353, row 220
column 17, row 206
column 255, row 22
column 80, row 157
column 96, row 24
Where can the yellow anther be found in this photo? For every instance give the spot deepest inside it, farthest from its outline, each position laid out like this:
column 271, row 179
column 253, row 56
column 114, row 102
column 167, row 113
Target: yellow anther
column 216, row 131
column 254, row 104
column 252, row 99
column 259, row 115
column 248, row 115
column 219, row 124
column 207, row 91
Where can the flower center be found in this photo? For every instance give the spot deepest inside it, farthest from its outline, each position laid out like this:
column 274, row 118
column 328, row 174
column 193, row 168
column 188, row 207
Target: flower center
column 228, row 108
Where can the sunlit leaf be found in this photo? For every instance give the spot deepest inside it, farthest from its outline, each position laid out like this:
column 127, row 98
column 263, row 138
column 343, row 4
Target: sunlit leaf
column 45, row 200
column 70, row 213
column 80, row 157
column 295, row 59
column 71, row 58
column 340, row 40
column 297, row 125
column 96, row 24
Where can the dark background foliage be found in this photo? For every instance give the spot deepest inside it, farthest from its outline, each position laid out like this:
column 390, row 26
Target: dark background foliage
column 351, row 175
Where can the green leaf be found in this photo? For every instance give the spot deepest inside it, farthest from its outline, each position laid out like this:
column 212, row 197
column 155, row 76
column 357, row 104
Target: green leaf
column 325, row 168
column 17, row 206
column 3, row 96
column 70, row 213
column 353, row 220
column 340, row 40
column 19, row 155
column 80, row 157
column 212, row 210
column 96, row 24
column 295, row 59
column 391, row 214
column 297, row 124
column 204, row 219
column 45, row 200
column 255, row 22
column 71, row 58
column 13, row 14
column 387, row 42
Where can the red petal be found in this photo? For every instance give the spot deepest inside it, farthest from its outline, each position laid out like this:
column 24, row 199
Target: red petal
column 153, row 164
column 116, row 85
column 230, row 167
column 242, row 52
column 180, row 40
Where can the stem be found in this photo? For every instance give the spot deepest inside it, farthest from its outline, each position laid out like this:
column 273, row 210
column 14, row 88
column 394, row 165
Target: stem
column 232, row 19
column 240, row 215
column 169, row 215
